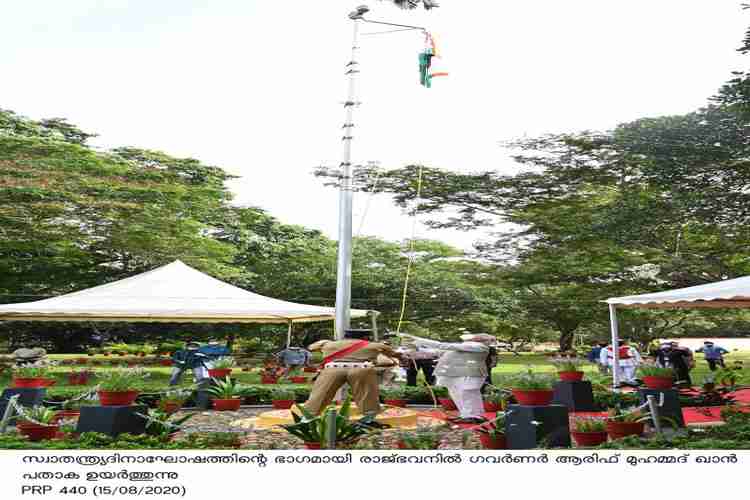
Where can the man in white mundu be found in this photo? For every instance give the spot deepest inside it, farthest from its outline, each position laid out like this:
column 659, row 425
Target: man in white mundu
column 629, row 359
column 462, row 369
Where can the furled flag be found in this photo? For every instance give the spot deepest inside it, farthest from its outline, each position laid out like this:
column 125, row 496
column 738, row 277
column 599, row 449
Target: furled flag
column 430, row 62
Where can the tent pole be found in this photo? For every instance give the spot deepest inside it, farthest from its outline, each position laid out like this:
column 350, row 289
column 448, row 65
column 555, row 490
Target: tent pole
column 615, row 347
column 289, row 336
column 374, row 323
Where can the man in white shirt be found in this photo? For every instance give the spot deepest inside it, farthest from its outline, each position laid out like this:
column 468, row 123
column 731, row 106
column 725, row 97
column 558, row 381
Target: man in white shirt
column 629, row 360
column 462, row 369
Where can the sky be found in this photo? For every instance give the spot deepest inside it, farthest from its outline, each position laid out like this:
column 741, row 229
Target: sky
column 257, row 87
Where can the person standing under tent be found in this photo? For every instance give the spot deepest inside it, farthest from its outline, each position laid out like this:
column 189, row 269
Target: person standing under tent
column 351, row 360
column 713, row 354
column 629, row 360
column 293, row 358
column 670, row 355
column 462, row 369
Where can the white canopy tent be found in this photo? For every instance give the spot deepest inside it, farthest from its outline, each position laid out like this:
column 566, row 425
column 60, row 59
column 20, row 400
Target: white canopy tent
column 174, row 293
column 734, row 293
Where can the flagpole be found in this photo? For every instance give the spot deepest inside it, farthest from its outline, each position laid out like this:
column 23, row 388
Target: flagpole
column 344, row 260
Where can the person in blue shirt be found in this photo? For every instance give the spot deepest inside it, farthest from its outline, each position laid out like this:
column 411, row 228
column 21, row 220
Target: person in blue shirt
column 714, row 355
column 594, row 355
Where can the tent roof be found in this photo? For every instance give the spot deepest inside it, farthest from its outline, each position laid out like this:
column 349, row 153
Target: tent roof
column 734, row 293
column 173, row 293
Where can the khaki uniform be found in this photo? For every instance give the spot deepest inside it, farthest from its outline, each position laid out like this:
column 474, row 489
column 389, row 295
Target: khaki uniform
column 363, row 381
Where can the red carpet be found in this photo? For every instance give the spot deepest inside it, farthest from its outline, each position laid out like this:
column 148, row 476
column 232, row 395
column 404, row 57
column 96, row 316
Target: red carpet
column 691, row 415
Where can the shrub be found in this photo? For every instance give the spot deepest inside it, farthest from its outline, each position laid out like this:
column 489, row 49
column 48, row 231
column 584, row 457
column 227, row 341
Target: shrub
column 394, row 392
column 422, row 438
column 223, row 363
column 568, row 364
column 282, row 394
column 121, row 380
column 531, row 381
column 655, row 371
column 589, row 424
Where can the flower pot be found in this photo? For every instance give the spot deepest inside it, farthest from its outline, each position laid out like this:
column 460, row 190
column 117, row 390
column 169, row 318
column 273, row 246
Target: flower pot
column 265, row 379
column 658, row 382
column 570, row 376
column 401, row 403
column 82, row 361
column 48, row 382
column 491, row 407
column 589, row 438
column 31, row 382
column 401, row 445
column 170, row 406
column 313, row 446
column 310, row 369
column 492, row 443
column 617, row 430
column 37, row 432
column 117, row 398
column 298, row 380
column 227, row 404
column 533, row 398
column 219, row 372
column 66, row 414
column 447, row 404
column 282, row 404
column 165, row 362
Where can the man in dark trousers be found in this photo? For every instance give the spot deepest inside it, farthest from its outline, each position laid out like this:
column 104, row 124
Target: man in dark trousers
column 671, row 355
column 714, row 355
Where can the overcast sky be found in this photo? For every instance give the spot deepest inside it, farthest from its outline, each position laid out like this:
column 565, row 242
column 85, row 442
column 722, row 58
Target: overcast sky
column 257, row 87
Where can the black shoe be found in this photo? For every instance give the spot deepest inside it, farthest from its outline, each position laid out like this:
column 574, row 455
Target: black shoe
column 470, row 420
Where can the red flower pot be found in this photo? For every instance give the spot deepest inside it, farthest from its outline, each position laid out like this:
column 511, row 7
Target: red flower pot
column 310, row 369
column 66, row 414
column 533, row 398
column 29, row 382
column 570, row 376
column 219, row 372
column 117, row 398
column 37, row 432
column 82, row 361
column 658, row 382
column 617, row 430
column 165, row 362
column 298, row 380
column 492, row 443
column 491, row 407
column 282, row 404
column 447, row 404
column 401, row 403
column 313, row 446
column 227, row 404
column 401, row 445
column 589, row 438
column 265, row 379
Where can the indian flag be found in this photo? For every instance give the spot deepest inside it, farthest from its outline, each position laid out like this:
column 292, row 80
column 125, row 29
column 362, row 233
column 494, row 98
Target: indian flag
column 430, row 62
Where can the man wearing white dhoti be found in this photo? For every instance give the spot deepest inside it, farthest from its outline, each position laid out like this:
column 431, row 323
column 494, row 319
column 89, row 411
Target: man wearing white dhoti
column 462, row 369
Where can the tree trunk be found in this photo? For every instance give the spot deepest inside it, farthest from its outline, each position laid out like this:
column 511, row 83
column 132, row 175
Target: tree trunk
column 566, row 340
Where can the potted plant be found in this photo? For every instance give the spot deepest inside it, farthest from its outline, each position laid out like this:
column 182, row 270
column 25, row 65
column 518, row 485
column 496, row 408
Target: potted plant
column 313, row 429
column 532, row 389
column 282, row 399
column 394, row 395
column 492, row 433
column 441, row 394
column 622, row 423
column 656, row 377
column 171, row 401
column 119, row 387
column 421, row 438
column 589, row 431
column 38, row 423
column 221, row 367
column 495, row 399
column 32, row 375
column 226, row 395
column 164, row 425
column 270, row 372
column 296, row 378
column 569, row 369
column 79, row 377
